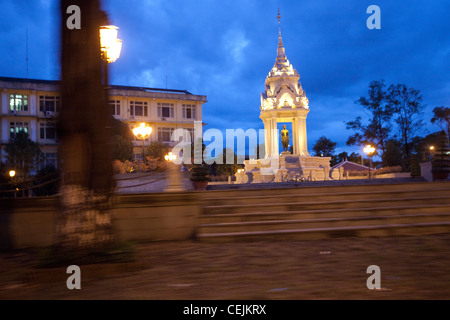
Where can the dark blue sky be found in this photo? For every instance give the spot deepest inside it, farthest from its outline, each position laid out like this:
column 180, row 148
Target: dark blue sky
column 225, row 49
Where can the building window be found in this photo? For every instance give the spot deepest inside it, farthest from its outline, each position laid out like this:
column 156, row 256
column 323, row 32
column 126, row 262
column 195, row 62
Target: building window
column 50, row 160
column 138, row 108
column 18, row 102
column 49, row 104
column 115, row 107
column 16, row 127
column 188, row 111
column 165, row 110
column 48, row 131
column 165, row 134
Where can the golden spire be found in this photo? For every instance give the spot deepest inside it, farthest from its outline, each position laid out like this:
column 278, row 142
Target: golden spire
column 281, row 54
column 280, row 42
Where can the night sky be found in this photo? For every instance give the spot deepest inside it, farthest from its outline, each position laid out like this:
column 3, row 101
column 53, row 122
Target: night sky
column 225, row 49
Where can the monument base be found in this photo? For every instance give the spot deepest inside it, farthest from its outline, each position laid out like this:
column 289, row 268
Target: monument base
column 286, row 168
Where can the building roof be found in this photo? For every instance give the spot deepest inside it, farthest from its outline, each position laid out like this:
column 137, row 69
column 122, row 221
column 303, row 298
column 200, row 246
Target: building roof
column 351, row 166
column 33, row 82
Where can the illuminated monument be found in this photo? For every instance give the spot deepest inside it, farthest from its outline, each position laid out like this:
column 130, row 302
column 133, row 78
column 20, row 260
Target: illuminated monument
column 285, row 101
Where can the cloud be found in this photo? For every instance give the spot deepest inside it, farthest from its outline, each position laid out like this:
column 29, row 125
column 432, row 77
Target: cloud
column 225, row 49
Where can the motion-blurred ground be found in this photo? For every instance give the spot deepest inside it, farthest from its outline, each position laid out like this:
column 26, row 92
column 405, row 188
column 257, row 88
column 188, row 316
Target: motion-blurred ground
column 412, row 267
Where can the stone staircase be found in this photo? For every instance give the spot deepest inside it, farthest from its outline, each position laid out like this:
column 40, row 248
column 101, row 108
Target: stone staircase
column 323, row 212
column 294, row 171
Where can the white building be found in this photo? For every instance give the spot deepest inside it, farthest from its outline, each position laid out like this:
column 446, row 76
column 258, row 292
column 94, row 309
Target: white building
column 33, row 106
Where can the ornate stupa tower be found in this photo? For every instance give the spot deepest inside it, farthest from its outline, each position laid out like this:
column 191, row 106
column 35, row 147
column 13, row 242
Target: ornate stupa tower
column 284, row 100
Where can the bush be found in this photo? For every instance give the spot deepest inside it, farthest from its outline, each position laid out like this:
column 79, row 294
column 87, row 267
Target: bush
column 151, row 165
column 199, row 173
column 389, row 170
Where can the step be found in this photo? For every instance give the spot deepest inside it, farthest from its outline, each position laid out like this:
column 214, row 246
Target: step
column 333, row 213
column 271, row 196
column 322, row 205
column 324, row 233
column 272, row 225
column 334, row 187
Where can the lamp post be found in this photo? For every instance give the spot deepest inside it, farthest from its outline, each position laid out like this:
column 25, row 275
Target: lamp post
column 174, row 182
column 142, row 132
column 12, row 174
column 369, row 150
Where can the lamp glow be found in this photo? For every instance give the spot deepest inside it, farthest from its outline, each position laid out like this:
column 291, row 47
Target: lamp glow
column 170, row 157
column 143, row 131
column 12, row 173
column 111, row 47
column 369, row 150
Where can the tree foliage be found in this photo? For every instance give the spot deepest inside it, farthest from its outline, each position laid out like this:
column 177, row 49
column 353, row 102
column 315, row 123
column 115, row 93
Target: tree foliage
column 324, row 147
column 407, row 105
column 441, row 116
column 398, row 106
column 122, row 145
column 392, row 156
column 157, row 150
column 122, row 148
column 378, row 128
column 23, row 155
column 225, row 168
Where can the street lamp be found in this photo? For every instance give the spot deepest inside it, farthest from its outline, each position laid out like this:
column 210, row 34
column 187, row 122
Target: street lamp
column 110, row 46
column 142, row 132
column 369, row 150
column 12, row 174
column 174, row 182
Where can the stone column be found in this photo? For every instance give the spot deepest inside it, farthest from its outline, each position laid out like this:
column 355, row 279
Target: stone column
column 275, row 149
column 295, row 136
column 267, row 133
column 303, row 148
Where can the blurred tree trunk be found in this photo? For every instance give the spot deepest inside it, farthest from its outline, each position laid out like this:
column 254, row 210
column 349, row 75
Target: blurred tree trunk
column 84, row 219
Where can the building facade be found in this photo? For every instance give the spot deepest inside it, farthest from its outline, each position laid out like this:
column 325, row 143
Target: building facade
column 33, row 106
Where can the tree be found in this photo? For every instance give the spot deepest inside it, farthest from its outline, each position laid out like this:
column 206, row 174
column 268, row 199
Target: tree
column 157, row 150
column 354, row 157
column 378, row 128
column 422, row 145
column 224, row 168
column 441, row 115
column 23, row 155
column 122, row 148
column 441, row 158
column 392, row 156
column 122, row 145
column 407, row 105
column 324, row 147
